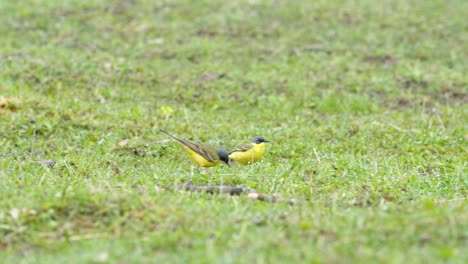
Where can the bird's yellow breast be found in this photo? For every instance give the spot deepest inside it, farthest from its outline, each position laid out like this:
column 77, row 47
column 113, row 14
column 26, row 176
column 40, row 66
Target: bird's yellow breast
column 199, row 159
column 249, row 156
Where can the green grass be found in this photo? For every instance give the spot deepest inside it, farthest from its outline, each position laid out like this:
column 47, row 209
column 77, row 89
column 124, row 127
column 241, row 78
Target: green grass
column 365, row 103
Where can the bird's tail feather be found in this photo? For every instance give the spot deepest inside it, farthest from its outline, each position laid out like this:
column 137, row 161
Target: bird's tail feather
column 165, row 132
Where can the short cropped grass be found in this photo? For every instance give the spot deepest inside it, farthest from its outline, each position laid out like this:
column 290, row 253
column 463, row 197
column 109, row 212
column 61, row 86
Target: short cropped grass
column 364, row 102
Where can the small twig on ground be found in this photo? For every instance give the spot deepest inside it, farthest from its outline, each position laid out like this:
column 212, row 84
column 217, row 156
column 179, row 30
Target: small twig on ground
column 398, row 128
column 188, row 186
column 271, row 198
column 436, row 113
column 251, row 193
column 317, row 156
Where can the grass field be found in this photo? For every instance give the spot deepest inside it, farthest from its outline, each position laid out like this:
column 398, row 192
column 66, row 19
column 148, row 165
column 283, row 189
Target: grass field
column 365, row 102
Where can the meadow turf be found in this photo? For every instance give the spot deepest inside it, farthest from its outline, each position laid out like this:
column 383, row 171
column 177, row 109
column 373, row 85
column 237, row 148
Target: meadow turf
column 364, row 102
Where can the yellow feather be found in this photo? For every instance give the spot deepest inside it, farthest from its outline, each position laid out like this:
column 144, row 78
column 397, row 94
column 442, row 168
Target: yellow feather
column 199, row 159
column 249, row 156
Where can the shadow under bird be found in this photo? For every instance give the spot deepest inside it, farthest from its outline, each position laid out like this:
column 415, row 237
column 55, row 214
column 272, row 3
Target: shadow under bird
column 202, row 154
column 250, row 152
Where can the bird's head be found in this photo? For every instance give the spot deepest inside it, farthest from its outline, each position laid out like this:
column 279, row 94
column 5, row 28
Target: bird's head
column 223, row 155
column 259, row 139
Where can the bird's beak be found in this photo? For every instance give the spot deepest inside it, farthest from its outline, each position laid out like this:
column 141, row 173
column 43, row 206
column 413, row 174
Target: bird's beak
column 267, row 141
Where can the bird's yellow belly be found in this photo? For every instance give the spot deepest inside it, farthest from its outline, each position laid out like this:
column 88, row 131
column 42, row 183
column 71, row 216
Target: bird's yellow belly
column 199, row 159
column 250, row 156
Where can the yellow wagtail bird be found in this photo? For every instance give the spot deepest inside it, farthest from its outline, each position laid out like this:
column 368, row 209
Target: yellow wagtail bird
column 202, row 154
column 250, row 152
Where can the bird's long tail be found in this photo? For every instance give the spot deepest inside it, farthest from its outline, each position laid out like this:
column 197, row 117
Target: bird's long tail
column 170, row 135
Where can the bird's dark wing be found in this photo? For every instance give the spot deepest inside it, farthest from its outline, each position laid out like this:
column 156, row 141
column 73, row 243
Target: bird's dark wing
column 205, row 150
column 242, row 148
